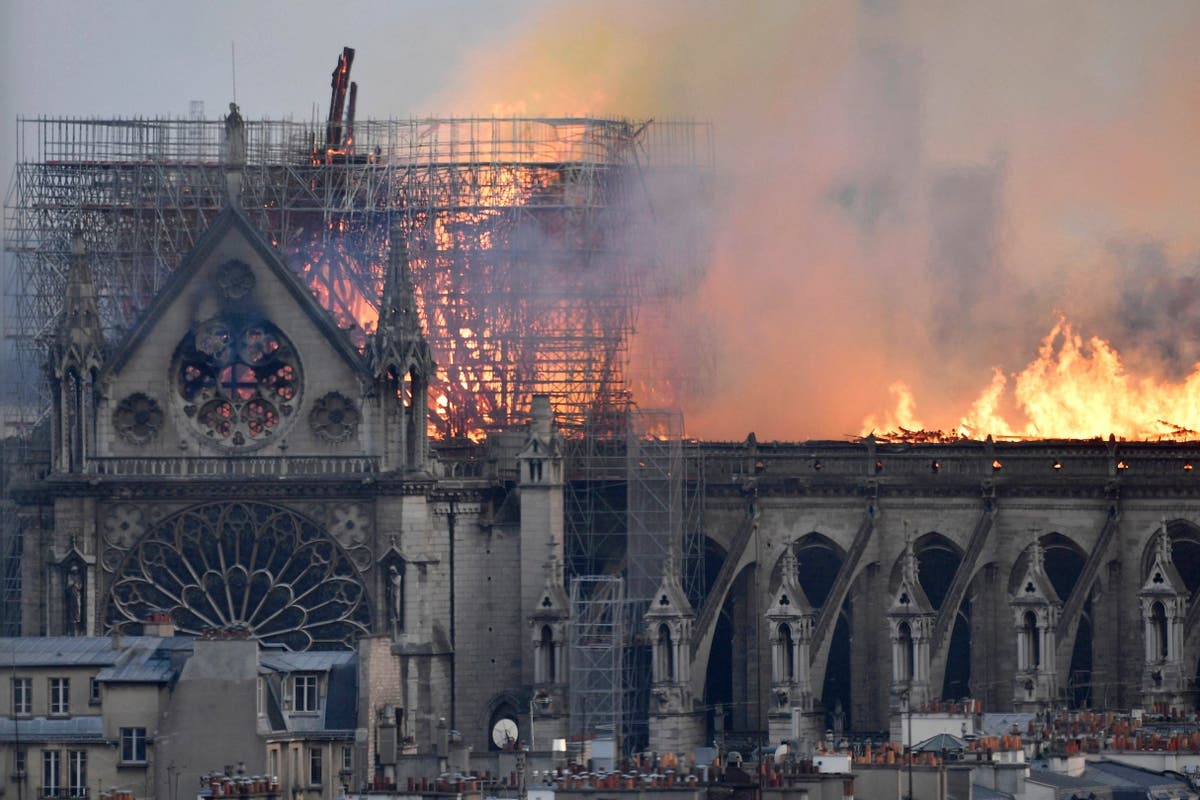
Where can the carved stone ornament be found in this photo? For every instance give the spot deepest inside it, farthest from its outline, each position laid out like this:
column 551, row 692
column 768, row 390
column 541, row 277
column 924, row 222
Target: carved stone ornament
column 334, row 417
column 234, row 280
column 137, row 418
column 350, row 525
column 123, row 525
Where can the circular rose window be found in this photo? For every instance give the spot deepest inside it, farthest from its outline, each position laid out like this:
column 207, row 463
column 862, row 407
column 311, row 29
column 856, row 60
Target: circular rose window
column 239, row 379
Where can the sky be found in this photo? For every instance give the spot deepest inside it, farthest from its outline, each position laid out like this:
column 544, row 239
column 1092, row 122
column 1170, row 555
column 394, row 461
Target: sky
column 911, row 203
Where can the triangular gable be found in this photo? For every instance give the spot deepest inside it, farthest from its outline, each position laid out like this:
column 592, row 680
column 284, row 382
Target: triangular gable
column 233, row 221
column 789, row 601
column 1163, row 578
column 669, row 600
column 552, row 604
column 1035, row 587
column 910, row 599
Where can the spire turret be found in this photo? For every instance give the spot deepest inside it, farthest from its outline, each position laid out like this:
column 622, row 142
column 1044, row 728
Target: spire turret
column 399, row 343
column 402, row 364
column 79, row 341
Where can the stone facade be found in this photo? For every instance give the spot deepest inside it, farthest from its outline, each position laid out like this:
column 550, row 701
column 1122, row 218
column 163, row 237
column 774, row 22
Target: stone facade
column 237, row 463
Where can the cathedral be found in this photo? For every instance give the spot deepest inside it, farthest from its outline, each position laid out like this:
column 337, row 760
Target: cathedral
column 237, row 466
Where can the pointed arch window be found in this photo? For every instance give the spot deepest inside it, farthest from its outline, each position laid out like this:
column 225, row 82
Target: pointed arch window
column 547, row 657
column 906, row 656
column 787, row 653
column 1032, row 641
column 1158, row 635
column 666, row 655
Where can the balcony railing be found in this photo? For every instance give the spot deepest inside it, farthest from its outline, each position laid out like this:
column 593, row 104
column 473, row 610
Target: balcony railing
column 62, row 792
column 236, row 466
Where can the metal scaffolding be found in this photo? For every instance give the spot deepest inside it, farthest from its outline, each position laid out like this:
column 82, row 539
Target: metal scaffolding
column 597, row 636
column 633, row 502
column 526, row 237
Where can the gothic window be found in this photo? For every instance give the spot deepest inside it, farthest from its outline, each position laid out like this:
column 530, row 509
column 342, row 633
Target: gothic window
column 788, row 654
column 907, row 654
column 239, row 379
column 666, row 655
column 246, row 567
column 137, row 418
column 1033, row 642
column 1158, row 631
column 548, row 656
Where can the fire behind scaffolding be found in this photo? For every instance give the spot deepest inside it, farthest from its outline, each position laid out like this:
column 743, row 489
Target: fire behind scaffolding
column 526, row 236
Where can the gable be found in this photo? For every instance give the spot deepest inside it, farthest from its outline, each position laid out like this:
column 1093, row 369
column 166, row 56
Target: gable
column 1163, row 579
column 910, row 599
column 1035, row 588
column 234, row 355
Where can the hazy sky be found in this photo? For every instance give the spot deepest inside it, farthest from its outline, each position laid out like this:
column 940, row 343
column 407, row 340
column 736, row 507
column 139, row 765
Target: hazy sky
column 906, row 192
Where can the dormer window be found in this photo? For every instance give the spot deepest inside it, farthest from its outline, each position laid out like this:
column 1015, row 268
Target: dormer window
column 304, row 698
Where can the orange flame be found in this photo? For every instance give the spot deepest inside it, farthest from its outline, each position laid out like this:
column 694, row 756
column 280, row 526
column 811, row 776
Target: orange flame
column 1075, row 388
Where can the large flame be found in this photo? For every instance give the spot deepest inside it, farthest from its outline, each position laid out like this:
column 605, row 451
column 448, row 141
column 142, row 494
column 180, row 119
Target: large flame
column 900, row 196
column 1076, row 388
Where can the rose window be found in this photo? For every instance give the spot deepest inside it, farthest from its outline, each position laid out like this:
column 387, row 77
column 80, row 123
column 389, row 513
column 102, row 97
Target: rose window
column 137, row 418
column 244, row 567
column 240, row 380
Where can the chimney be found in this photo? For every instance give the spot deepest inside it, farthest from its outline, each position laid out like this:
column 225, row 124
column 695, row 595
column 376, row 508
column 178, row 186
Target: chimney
column 160, row 625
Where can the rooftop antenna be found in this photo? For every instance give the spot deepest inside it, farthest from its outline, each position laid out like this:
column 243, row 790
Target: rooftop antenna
column 233, row 68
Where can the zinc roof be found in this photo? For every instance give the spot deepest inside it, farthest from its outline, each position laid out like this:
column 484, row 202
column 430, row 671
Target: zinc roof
column 41, row 729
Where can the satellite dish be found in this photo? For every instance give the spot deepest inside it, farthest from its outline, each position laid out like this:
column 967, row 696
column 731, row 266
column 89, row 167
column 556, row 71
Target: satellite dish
column 504, row 733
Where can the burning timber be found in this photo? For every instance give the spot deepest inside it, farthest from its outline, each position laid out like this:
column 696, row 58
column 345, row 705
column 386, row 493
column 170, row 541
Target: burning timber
column 527, row 236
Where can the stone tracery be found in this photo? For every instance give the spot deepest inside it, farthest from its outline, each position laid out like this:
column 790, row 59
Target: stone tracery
column 245, row 566
column 240, row 380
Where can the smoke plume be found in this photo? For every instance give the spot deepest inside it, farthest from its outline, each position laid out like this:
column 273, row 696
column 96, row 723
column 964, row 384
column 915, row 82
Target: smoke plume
column 908, row 197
